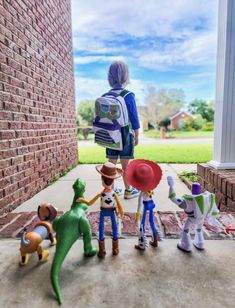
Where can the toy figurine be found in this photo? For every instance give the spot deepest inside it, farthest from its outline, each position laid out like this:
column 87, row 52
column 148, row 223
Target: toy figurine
column 110, row 205
column 197, row 206
column 145, row 175
column 31, row 241
column 69, row 227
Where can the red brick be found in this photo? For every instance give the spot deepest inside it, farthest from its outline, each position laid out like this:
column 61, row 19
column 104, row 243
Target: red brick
column 224, row 186
column 8, row 153
column 17, row 225
column 9, row 171
column 37, row 97
column 8, row 134
column 5, row 115
column 4, row 144
column 17, row 160
column 5, row 163
column 7, row 218
column 4, row 183
column 10, row 189
column 230, row 205
column 170, row 223
column 216, row 231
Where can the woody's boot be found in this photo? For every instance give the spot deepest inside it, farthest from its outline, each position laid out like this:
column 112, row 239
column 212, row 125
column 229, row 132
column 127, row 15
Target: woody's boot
column 101, row 252
column 115, row 248
column 153, row 242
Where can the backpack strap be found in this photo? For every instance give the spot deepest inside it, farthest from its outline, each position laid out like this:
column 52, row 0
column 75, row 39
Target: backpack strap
column 124, row 93
column 111, row 93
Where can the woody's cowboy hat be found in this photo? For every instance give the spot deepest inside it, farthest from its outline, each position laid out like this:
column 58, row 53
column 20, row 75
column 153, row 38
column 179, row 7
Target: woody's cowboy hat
column 143, row 174
column 109, row 170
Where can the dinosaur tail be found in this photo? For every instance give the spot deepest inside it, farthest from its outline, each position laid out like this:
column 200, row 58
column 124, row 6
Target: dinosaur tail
column 62, row 248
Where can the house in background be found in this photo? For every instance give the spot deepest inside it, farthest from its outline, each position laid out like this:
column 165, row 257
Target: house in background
column 178, row 119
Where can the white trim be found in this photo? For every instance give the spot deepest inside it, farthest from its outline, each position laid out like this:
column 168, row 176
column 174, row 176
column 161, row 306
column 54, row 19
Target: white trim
column 218, row 165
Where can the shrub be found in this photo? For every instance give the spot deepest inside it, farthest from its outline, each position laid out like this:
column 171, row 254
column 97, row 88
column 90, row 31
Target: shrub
column 208, row 127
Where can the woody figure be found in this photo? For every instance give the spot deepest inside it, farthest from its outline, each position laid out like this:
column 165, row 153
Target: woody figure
column 110, row 205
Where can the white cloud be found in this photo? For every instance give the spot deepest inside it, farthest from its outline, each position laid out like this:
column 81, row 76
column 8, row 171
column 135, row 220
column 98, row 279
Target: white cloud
column 90, row 89
column 154, row 17
column 197, row 50
column 92, row 59
column 194, row 86
column 190, row 24
column 170, row 33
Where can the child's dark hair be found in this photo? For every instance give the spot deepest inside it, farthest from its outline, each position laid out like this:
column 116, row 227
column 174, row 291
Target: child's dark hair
column 107, row 181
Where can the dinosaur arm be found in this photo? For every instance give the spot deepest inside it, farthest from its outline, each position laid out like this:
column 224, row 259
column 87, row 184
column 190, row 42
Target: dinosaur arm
column 93, row 200
column 119, row 205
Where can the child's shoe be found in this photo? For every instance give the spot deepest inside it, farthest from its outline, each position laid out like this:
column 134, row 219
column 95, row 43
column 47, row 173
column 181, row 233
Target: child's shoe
column 118, row 191
column 131, row 193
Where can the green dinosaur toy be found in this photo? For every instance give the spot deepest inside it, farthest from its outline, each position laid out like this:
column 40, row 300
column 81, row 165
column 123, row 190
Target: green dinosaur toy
column 69, row 227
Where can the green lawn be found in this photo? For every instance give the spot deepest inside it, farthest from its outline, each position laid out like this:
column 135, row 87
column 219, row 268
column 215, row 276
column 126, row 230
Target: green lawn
column 162, row 153
column 179, row 134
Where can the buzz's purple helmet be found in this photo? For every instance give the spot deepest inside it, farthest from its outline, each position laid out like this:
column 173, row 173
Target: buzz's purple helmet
column 196, row 189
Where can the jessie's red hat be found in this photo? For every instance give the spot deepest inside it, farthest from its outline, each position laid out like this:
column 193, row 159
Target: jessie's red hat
column 143, row 174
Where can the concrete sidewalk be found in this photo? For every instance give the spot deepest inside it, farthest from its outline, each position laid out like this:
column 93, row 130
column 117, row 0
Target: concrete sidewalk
column 60, row 194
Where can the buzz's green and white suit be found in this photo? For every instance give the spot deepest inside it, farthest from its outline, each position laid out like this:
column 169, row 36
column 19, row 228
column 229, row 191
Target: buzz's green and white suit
column 197, row 208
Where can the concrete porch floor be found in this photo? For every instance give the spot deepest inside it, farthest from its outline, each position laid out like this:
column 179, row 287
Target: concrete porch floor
column 159, row 277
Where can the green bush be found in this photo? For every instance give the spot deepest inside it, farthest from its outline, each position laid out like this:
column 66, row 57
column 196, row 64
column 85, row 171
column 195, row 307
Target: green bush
column 208, row 127
column 186, row 126
column 198, row 122
column 191, row 176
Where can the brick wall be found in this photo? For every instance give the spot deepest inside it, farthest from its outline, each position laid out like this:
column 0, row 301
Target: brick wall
column 221, row 182
column 37, row 105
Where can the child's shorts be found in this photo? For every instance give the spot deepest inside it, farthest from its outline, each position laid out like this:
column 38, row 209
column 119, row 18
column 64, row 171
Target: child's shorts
column 126, row 153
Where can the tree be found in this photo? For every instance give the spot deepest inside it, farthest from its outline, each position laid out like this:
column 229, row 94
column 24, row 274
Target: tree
column 86, row 111
column 161, row 104
column 205, row 109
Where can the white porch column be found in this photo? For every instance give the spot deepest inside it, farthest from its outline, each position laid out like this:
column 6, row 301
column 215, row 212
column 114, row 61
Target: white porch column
column 224, row 138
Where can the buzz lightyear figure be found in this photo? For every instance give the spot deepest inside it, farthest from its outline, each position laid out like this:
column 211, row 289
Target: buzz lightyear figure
column 197, row 206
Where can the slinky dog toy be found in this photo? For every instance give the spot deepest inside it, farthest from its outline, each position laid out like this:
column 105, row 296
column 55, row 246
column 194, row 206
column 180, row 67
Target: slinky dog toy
column 69, row 227
column 31, row 241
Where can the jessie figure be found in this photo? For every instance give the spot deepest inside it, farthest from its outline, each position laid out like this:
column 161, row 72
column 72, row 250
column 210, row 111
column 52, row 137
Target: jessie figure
column 145, row 175
column 110, row 205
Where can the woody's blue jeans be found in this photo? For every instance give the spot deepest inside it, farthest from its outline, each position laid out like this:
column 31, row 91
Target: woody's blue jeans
column 108, row 213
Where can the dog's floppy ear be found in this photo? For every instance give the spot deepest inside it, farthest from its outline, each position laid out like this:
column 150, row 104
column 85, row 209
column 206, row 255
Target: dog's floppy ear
column 47, row 211
column 52, row 211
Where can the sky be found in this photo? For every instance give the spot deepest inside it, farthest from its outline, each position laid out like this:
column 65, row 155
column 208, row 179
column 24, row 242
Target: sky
column 168, row 44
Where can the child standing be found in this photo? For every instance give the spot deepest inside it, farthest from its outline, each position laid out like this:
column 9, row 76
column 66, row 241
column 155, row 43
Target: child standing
column 118, row 77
